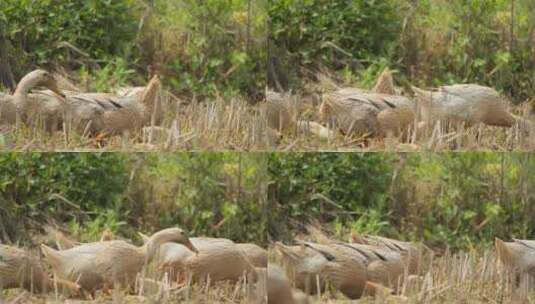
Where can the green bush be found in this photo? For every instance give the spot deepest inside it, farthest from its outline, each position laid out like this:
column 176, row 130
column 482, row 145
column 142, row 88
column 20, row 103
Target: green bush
column 214, row 194
column 326, row 187
column 335, row 34
column 203, row 49
column 38, row 189
column 42, row 32
column 431, row 42
column 207, row 194
column 446, row 200
column 208, row 48
column 313, row 29
column 463, row 199
column 471, row 41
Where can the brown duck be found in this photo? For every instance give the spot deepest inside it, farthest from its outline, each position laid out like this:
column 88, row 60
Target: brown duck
column 468, row 103
column 518, row 257
column 413, row 254
column 348, row 267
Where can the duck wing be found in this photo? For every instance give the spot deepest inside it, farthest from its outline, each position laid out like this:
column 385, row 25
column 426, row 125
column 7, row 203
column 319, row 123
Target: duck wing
column 119, row 261
column 106, row 102
column 527, row 243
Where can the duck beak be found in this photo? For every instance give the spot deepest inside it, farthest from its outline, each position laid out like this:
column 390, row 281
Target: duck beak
column 190, row 246
column 54, row 88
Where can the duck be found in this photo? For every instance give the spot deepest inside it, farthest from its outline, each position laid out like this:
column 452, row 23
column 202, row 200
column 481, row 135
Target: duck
column 348, row 267
column 255, row 254
column 383, row 265
column 413, row 255
column 109, row 263
column 281, row 118
column 467, row 103
column 518, row 257
column 278, row 112
column 23, row 107
column 19, row 269
column 218, row 259
column 385, row 83
column 304, row 266
column 359, row 112
column 382, row 111
column 108, row 113
column 279, row 288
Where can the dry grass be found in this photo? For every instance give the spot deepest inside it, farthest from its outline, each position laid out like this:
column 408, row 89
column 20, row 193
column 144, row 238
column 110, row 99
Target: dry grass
column 216, row 125
column 237, row 125
column 151, row 290
column 220, row 293
column 466, row 277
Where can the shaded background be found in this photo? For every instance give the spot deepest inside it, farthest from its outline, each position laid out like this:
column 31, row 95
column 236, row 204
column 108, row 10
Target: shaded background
column 208, row 194
column 455, row 200
column 429, row 43
column 200, row 48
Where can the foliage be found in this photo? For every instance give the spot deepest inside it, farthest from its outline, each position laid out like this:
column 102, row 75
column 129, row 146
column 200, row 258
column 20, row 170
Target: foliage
column 208, row 47
column 327, row 187
column 336, row 33
column 38, row 189
column 487, row 42
column 205, row 49
column 326, row 30
column 453, row 200
column 431, row 42
column 217, row 194
column 461, row 199
column 42, row 32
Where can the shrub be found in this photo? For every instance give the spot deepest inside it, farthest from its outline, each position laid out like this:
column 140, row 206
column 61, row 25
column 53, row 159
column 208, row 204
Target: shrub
column 325, row 187
column 445, row 200
column 336, row 33
column 36, row 189
column 208, row 48
column 48, row 32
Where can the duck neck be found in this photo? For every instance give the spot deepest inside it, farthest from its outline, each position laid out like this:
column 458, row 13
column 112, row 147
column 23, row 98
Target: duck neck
column 27, row 83
column 152, row 246
column 150, row 93
column 20, row 96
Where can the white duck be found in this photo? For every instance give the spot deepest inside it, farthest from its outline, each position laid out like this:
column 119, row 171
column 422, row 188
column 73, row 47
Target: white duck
column 23, row 106
column 106, row 264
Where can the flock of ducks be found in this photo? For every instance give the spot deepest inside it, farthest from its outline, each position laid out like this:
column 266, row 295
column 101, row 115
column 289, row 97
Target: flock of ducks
column 380, row 112
column 384, row 111
column 370, row 265
column 88, row 113
column 108, row 264
column 364, row 266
